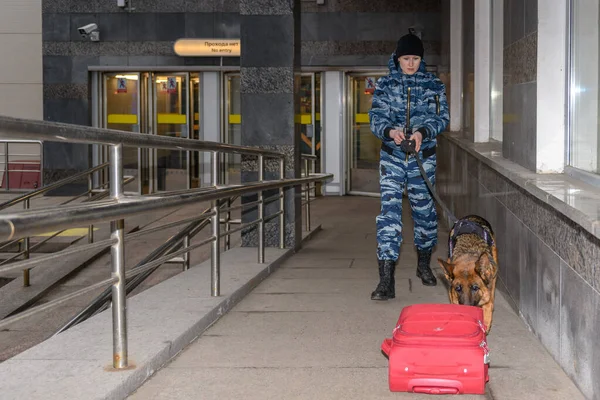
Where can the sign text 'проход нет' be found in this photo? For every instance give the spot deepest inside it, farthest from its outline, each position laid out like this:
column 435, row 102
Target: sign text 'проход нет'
column 207, row 47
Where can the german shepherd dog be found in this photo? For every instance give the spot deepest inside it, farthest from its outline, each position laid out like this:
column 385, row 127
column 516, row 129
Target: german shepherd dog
column 472, row 265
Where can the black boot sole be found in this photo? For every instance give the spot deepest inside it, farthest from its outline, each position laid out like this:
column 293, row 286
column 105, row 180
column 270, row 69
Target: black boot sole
column 382, row 297
column 432, row 283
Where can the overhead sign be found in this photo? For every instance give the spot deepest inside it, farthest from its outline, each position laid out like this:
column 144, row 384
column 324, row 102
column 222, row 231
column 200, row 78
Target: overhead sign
column 207, row 47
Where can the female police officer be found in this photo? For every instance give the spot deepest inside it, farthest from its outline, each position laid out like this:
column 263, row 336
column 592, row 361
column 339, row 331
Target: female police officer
column 407, row 103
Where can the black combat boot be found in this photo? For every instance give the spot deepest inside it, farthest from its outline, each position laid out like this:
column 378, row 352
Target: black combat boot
column 386, row 288
column 424, row 270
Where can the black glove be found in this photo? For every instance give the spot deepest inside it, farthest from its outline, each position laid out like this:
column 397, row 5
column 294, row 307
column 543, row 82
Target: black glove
column 408, row 145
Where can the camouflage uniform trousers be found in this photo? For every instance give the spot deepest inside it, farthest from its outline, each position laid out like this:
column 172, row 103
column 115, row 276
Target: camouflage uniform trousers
column 395, row 175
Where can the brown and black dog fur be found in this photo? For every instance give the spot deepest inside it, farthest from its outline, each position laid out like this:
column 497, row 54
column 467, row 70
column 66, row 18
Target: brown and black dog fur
column 473, row 270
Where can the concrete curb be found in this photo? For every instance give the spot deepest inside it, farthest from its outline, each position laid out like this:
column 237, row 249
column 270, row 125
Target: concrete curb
column 162, row 321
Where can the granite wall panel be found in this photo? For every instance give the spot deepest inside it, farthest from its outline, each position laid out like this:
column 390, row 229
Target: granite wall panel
column 408, row 6
column 579, row 324
column 270, row 86
column 548, row 264
column 528, row 286
column 56, row 27
column 548, row 302
column 113, row 27
column 57, row 69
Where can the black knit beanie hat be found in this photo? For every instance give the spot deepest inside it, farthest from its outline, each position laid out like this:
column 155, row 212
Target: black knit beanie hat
column 410, row 45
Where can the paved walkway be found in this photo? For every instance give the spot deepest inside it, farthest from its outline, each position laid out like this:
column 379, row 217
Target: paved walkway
column 310, row 331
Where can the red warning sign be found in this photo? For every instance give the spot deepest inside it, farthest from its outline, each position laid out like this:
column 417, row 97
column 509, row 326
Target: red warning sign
column 369, row 85
column 121, row 85
column 171, row 84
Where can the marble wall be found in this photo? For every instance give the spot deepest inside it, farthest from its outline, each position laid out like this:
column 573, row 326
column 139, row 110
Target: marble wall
column 548, row 264
column 363, row 32
column 520, row 87
column 270, row 86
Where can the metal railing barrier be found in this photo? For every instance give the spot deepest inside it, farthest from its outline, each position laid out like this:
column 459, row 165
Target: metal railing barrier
column 16, row 225
column 309, row 168
column 92, row 194
column 29, row 159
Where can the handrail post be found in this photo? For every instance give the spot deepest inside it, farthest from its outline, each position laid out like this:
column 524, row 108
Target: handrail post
column 186, row 256
column 281, row 205
column 6, row 165
column 41, row 165
column 313, row 168
column 215, row 222
column 261, row 212
column 117, row 253
column 26, row 243
column 228, row 225
column 90, row 189
column 307, row 196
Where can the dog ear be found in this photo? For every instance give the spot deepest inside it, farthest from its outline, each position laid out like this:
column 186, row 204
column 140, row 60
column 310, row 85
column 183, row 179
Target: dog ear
column 448, row 269
column 485, row 268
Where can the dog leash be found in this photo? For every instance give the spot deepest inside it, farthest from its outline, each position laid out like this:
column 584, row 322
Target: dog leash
column 409, row 147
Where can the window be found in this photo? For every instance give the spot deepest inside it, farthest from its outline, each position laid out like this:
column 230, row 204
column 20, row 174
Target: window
column 584, row 101
column 497, row 70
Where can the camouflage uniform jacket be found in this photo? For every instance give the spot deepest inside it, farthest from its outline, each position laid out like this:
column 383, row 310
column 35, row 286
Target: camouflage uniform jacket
column 428, row 105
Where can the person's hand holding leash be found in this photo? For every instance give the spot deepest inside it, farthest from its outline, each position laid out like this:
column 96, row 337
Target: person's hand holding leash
column 418, row 138
column 397, row 135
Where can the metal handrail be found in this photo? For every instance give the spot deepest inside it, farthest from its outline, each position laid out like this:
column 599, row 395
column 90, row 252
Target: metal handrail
column 38, row 221
column 120, row 206
column 61, row 132
column 101, row 302
column 26, row 200
column 55, row 185
column 309, row 159
column 29, row 249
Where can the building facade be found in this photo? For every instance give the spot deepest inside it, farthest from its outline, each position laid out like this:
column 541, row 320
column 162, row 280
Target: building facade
column 139, row 39
column 522, row 82
column 21, row 88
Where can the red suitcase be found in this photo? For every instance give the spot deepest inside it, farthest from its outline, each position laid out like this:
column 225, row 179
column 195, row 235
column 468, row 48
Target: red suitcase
column 438, row 349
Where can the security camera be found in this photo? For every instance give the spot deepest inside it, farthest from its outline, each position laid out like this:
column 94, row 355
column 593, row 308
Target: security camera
column 86, row 30
column 90, row 30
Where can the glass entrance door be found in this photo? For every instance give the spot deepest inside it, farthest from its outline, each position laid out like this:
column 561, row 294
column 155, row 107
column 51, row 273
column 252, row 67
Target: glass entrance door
column 146, row 172
column 194, row 166
column 171, row 100
column 122, row 112
column 363, row 160
column 166, row 104
column 310, row 116
column 233, row 127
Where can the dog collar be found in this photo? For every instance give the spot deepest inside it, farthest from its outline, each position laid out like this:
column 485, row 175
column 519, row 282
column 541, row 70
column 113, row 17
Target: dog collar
column 464, row 226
